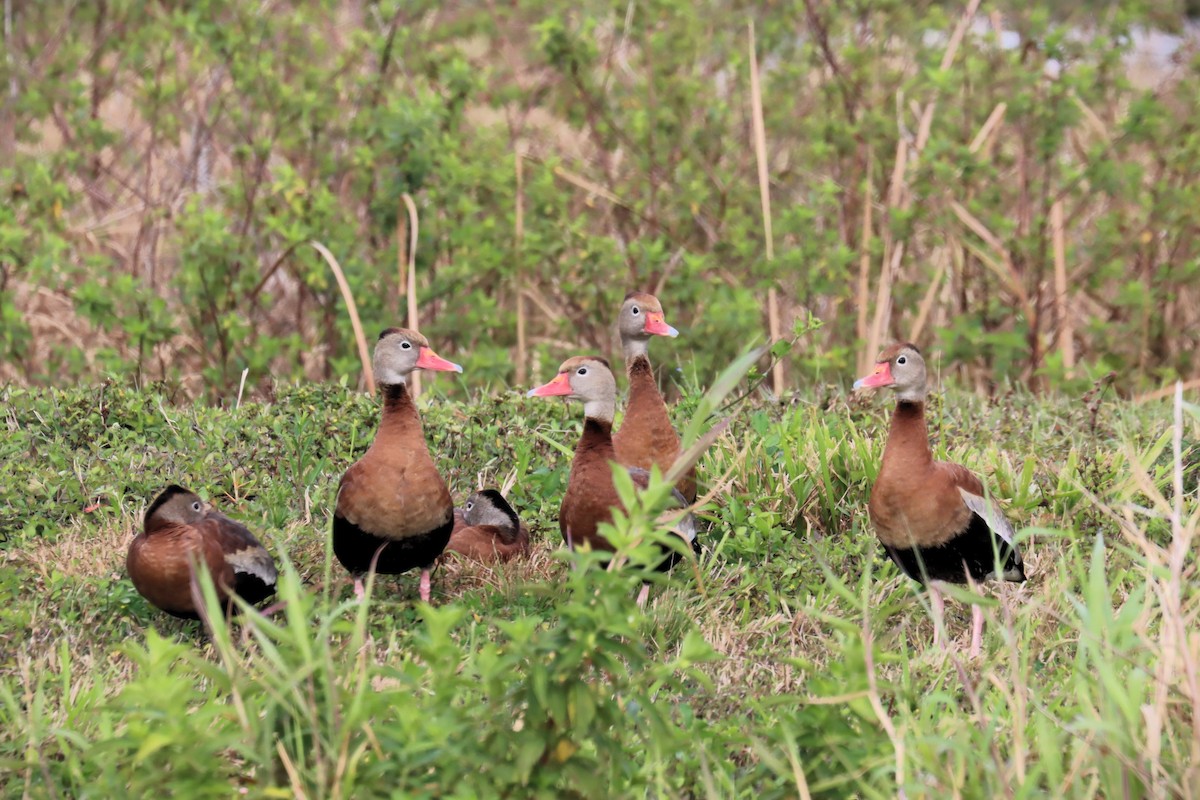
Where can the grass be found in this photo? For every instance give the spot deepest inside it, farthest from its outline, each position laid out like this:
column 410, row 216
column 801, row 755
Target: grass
column 793, row 661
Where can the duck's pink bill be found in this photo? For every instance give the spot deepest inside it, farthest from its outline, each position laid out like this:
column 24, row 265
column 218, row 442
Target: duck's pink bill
column 657, row 324
column 432, row 361
column 560, row 386
column 882, row 376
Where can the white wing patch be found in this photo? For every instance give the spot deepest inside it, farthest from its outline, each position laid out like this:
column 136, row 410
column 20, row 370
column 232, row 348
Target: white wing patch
column 991, row 514
column 254, row 561
column 685, row 526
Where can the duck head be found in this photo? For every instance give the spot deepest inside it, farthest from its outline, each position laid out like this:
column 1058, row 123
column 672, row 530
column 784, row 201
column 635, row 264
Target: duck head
column 488, row 507
column 399, row 351
column 901, row 368
column 174, row 506
column 641, row 318
column 588, row 379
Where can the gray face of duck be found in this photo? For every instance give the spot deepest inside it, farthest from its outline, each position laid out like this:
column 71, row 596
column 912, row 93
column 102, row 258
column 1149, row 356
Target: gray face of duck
column 488, row 507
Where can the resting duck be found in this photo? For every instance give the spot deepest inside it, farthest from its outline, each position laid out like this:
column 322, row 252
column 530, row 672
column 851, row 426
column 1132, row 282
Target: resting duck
column 180, row 530
column 488, row 529
column 933, row 517
column 646, row 436
column 393, row 509
column 591, row 495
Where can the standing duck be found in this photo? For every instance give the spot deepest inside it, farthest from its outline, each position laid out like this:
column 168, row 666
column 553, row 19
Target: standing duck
column 591, row 495
column 646, row 436
column 489, row 530
column 180, row 530
column 933, row 517
column 394, row 511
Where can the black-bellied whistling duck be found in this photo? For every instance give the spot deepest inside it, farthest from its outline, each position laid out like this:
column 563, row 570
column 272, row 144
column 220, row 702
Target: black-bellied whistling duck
column 180, row 531
column 490, row 529
column 591, row 495
column 646, row 437
column 933, row 517
column 394, row 511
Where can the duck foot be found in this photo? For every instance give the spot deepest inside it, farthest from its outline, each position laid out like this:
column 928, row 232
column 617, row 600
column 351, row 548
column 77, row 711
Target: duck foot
column 425, row 584
column 359, row 591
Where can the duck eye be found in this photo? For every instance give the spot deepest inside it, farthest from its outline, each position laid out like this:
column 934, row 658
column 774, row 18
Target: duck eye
column 470, row 506
column 636, row 311
column 581, row 371
column 196, row 506
column 405, row 346
column 902, row 360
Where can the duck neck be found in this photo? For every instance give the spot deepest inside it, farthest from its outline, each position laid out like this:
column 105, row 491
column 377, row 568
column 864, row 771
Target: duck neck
column 600, row 411
column 641, row 380
column 908, row 439
column 634, row 349
column 596, row 441
column 400, row 417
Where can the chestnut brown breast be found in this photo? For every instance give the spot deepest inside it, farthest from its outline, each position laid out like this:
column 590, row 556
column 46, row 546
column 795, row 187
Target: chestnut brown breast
column 915, row 500
column 489, row 543
column 646, row 437
column 590, row 496
column 395, row 491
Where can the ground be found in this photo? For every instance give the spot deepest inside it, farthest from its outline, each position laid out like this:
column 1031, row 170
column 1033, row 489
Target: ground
column 792, row 660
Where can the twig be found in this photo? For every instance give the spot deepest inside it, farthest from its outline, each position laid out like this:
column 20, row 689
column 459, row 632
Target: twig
column 363, row 354
column 764, row 196
column 413, row 322
column 1066, row 328
column 518, row 245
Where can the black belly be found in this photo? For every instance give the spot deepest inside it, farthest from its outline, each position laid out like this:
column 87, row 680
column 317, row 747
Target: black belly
column 251, row 588
column 355, row 548
column 673, row 557
column 971, row 553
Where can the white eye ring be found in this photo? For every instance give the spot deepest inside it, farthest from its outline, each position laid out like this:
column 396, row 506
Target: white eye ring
column 470, row 506
column 902, row 360
column 636, row 311
column 196, row 506
column 405, row 346
column 581, row 371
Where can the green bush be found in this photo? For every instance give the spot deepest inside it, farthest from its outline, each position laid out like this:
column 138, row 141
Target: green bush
column 171, row 163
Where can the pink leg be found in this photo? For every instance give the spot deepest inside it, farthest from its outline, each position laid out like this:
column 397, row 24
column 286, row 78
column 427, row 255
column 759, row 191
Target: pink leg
column 425, row 588
column 359, row 591
column 976, row 631
column 643, row 595
column 274, row 608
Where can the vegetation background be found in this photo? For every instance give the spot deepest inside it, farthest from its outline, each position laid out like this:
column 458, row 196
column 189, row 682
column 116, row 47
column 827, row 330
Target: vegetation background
column 1013, row 186
column 1010, row 184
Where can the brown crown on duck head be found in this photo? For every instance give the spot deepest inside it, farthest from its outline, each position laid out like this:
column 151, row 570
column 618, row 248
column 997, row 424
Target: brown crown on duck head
column 640, row 318
column 901, row 368
column 588, row 379
column 175, row 505
column 399, row 351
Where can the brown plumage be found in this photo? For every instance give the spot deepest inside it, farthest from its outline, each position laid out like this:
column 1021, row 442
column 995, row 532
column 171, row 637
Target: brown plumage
column 181, row 531
column 646, row 437
column 591, row 496
column 933, row 517
column 489, row 529
column 394, row 511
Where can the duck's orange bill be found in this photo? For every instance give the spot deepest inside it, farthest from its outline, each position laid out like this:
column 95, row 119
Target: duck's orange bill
column 561, row 385
column 431, row 360
column 657, row 324
column 882, row 376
